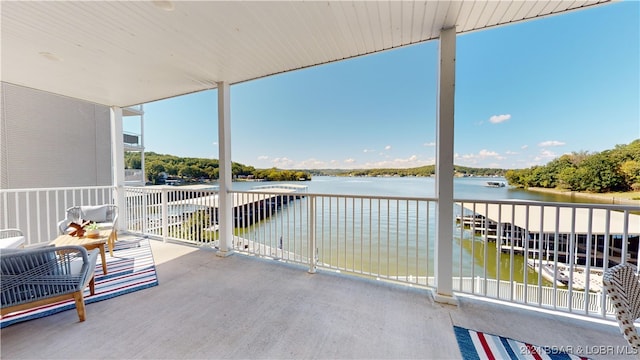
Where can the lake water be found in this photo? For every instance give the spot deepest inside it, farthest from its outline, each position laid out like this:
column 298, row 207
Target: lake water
column 473, row 188
column 471, row 254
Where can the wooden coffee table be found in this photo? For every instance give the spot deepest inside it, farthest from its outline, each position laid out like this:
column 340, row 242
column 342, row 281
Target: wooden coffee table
column 88, row 243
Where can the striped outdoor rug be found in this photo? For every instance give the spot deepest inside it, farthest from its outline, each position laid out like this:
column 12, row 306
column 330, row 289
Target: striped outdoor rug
column 479, row 345
column 130, row 269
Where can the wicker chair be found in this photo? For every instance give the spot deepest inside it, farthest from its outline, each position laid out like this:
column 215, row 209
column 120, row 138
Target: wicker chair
column 106, row 216
column 34, row 277
column 11, row 238
column 623, row 286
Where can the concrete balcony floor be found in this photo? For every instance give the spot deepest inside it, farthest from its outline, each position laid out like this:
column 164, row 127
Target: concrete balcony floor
column 240, row 307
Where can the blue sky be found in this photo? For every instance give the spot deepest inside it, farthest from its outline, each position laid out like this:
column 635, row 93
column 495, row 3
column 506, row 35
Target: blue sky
column 525, row 94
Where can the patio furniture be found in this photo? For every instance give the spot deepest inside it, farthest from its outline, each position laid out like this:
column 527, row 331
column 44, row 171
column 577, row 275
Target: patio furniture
column 35, row 277
column 623, row 286
column 11, row 238
column 87, row 243
column 106, row 216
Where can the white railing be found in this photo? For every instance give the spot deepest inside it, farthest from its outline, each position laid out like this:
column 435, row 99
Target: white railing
column 560, row 250
column 496, row 244
column 173, row 213
column 544, row 255
column 37, row 211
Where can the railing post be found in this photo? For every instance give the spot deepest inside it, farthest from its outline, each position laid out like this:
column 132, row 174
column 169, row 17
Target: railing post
column 313, row 251
column 145, row 210
column 165, row 214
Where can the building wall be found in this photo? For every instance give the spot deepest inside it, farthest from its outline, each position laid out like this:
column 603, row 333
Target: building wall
column 48, row 140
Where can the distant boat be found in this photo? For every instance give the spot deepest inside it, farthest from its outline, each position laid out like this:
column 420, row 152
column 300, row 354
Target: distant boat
column 495, row 184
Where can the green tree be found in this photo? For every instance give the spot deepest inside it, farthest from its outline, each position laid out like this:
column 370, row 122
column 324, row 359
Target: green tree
column 601, row 174
column 191, row 172
column 153, row 170
column 568, row 179
column 630, row 170
column 610, row 170
column 132, row 160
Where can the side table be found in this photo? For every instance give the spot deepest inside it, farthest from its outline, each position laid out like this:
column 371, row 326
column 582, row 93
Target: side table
column 88, row 243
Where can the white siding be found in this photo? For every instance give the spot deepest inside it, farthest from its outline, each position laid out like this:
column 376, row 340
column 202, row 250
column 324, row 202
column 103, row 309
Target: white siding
column 49, row 140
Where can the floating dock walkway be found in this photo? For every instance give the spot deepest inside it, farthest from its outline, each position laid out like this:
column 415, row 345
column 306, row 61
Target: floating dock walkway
column 248, row 207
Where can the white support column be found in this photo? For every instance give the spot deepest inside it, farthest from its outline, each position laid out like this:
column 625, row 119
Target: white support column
column 144, row 174
column 444, row 168
column 117, row 163
column 225, row 203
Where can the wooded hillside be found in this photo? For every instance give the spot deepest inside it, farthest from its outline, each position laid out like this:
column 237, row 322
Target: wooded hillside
column 617, row 169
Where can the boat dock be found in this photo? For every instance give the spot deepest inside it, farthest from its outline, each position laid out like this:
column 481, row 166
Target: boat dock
column 542, row 232
column 562, row 274
column 248, row 207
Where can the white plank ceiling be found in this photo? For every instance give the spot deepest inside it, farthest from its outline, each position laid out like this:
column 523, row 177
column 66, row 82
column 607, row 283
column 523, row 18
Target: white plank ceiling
column 130, row 52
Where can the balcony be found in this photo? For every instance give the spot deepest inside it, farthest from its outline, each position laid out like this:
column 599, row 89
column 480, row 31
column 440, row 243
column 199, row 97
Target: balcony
column 132, row 142
column 249, row 307
column 332, row 276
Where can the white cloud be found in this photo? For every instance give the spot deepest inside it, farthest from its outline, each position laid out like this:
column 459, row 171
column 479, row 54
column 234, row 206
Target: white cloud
column 496, row 119
column 350, row 161
column 282, row 162
column 483, row 158
column 544, row 156
column 367, row 150
column 388, row 147
column 485, row 153
column 311, row 164
column 410, row 162
column 429, row 144
column 524, row 147
column 263, row 157
column 551, row 143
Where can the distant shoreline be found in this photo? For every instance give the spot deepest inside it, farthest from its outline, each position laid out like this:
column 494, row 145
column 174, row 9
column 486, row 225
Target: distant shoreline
column 614, row 198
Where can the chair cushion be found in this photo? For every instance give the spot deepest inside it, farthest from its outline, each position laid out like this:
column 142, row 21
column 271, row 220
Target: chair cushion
column 94, row 213
column 11, row 242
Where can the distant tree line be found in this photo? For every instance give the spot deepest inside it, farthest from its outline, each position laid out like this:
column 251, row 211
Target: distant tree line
column 274, row 174
column 612, row 170
column 192, row 169
column 428, row 170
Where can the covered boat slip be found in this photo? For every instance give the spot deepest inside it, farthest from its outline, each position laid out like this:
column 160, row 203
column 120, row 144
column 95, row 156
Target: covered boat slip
column 248, row 207
column 567, row 245
column 533, row 228
column 544, row 218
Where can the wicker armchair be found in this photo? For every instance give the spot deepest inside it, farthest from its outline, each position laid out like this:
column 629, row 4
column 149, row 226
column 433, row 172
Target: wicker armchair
column 106, row 216
column 623, row 286
column 34, row 277
column 11, row 238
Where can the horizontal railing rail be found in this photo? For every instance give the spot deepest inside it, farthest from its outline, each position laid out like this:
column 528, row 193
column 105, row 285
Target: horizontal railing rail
column 539, row 254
